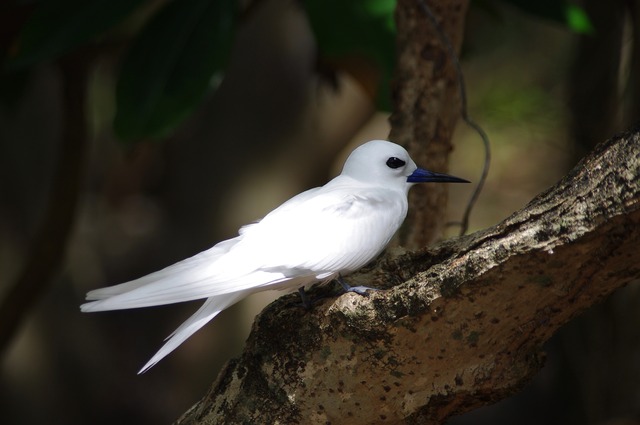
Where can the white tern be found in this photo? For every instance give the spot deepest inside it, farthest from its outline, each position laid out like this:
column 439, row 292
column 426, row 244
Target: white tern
column 319, row 235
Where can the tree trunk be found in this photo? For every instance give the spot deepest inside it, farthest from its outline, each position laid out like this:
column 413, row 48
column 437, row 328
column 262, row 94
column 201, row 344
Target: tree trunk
column 461, row 324
column 426, row 107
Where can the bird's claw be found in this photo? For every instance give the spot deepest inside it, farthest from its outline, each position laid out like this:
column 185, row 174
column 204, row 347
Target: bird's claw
column 360, row 290
column 305, row 300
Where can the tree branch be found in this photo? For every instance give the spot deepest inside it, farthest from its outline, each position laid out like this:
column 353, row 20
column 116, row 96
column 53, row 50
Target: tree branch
column 461, row 325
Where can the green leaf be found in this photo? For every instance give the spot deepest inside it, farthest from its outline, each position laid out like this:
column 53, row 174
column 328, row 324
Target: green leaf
column 578, row 20
column 168, row 69
column 564, row 12
column 357, row 29
column 58, row 26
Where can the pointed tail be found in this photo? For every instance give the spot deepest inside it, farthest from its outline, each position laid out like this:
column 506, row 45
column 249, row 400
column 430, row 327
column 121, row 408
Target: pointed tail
column 208, row 311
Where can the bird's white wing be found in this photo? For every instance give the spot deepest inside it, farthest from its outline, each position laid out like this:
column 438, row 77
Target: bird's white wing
column 194, row 268
column 189, row 266
column 188, row 285
column 340, row 228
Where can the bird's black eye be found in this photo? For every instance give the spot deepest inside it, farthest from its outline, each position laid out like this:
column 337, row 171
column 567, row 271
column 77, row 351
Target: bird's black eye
column 394, row 162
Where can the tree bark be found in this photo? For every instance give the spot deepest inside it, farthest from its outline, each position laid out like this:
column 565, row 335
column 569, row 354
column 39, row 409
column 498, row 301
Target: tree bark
column 459, row 325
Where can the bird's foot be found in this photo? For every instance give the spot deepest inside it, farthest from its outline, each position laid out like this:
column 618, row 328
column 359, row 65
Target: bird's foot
column 360, row 290
column 305, row 300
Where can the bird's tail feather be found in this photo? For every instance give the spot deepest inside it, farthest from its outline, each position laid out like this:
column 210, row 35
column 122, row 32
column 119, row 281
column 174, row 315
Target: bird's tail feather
column 208, row 311
column 110, row 291
column 189, row 279
column 171, row 289
column 189, row 264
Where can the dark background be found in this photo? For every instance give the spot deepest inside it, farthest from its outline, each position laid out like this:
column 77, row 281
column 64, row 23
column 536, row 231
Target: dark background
column 273, row 127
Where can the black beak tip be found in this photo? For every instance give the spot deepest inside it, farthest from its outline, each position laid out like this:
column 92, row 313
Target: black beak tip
column 421, row 175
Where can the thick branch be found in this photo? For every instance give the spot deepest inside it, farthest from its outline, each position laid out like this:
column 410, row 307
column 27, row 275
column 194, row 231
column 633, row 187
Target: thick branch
column 462, row 327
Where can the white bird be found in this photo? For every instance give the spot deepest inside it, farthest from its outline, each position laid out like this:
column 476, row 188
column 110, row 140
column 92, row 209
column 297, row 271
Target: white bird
column 319, row 235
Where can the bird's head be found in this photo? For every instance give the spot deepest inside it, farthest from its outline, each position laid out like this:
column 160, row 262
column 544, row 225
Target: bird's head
column 389, row 165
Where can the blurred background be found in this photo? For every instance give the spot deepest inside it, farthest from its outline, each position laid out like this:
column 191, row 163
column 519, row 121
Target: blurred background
column 144, row 186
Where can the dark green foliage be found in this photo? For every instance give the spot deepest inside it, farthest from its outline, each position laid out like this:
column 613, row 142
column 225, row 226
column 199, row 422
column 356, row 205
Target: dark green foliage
column 171, row 62
column 169, row 68
column 362, row 29
column 58, row 26
column 564, row 12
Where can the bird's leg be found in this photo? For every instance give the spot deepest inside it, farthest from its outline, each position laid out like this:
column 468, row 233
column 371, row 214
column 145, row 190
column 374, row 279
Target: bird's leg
column 305, row 300
column 361, row 290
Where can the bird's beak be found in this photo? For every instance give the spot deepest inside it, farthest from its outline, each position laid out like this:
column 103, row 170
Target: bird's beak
column 424, row 176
